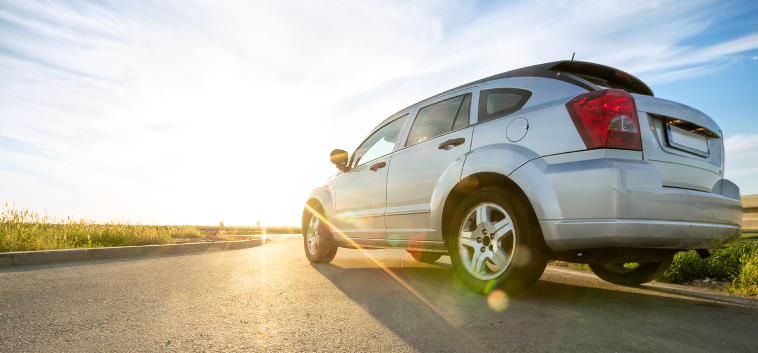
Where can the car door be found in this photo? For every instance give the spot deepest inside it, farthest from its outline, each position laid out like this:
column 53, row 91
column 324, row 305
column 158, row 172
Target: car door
column 361, row 192
column 439, row 135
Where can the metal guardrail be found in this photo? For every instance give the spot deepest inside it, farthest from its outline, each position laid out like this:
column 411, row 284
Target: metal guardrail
column 750, row 213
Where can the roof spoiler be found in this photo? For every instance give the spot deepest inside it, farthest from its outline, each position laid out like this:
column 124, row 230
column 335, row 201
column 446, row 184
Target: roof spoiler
column 596, row 73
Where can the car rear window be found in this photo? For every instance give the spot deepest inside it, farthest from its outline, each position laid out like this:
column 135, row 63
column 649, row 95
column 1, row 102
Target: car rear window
column 499, row 102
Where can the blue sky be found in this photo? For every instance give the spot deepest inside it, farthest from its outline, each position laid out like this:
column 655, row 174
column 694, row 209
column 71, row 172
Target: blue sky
column 196, row 112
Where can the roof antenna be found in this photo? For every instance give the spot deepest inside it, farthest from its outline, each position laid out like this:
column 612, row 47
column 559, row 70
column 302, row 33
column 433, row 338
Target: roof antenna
column 572, row 56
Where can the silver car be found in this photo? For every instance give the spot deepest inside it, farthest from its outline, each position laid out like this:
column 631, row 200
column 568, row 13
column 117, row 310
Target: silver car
column 567, row 160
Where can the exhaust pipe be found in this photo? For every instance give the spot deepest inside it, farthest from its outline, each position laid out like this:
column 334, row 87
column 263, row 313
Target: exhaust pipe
column 704, row 253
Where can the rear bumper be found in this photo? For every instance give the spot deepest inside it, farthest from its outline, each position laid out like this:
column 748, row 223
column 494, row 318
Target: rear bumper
column 636, row 233
column 615, row 202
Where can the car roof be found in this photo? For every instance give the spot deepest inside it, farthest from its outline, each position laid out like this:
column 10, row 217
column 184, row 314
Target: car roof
column 551, row 70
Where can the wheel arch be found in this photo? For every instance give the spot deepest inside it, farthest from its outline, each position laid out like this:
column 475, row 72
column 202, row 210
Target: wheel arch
column 315, row 204
column 488, row 165
column 321, row 200
column 474, row 182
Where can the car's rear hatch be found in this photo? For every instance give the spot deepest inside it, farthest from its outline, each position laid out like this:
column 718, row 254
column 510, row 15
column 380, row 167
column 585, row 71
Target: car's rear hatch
column 682, row 142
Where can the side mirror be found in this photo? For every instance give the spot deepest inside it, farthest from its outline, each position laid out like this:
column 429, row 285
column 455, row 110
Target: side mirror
column 339, row 159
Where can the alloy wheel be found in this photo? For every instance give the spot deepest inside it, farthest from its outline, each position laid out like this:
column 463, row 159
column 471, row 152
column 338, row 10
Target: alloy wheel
column 313, row 235
column 487, row 241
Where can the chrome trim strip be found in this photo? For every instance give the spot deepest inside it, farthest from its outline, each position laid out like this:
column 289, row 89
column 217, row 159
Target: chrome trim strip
column 413, row 209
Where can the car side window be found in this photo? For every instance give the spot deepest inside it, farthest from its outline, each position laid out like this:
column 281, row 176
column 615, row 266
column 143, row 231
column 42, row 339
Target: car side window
column 462, row 120
column 499, row 102
column 439, row 118
column 379, row 143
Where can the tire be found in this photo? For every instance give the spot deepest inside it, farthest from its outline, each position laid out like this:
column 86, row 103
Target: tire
column 631, row 276
column 319, row 244
column 424, row 256
column 514, row 254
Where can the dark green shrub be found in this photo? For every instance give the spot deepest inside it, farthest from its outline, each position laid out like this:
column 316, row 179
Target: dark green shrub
column 722, row 264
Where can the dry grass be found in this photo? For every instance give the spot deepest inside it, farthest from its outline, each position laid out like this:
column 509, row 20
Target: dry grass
column 746, row 282
column 22, row 230
column 188, row 232
column 224, row 235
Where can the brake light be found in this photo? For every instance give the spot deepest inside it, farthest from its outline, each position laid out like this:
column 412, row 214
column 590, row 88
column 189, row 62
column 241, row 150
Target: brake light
column 606, row 119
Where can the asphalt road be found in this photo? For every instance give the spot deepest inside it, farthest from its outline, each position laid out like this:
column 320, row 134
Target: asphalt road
column 270, row 298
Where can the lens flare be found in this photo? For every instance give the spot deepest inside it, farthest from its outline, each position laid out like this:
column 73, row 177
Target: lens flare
column 393, row 240
column 497, row 300
column 394, row 276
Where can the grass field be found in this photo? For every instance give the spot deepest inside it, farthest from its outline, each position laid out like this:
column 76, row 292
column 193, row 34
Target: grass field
column 22, row 230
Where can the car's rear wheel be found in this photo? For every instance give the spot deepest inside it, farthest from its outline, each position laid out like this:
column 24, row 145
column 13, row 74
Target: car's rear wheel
column 424, row 256
column 318, row 241
column 626, row 275
column 494, row 243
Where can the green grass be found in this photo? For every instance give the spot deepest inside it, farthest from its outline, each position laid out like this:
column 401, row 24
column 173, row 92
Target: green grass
column 577, row 266
column 746, row 282
column 726, row 263
column 22, row 230
column 737, row 263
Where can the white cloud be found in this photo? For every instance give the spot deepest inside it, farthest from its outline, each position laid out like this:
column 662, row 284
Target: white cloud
column 200, row 112
column 742, row 146
column 741, row 167
column 212, row 111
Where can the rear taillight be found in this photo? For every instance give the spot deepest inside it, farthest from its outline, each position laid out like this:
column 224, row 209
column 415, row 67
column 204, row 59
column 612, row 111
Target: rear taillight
column 606, row 119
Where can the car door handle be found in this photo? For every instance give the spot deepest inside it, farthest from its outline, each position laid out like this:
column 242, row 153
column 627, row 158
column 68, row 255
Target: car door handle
column 378, row 166
column 452, row 143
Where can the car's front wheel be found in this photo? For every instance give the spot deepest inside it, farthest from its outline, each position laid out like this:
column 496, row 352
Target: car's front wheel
column 633, row 275
column 494, row 243
column 318, row 241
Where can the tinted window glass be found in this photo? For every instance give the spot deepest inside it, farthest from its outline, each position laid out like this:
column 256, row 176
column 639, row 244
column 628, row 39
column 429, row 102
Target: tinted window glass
column 462, row 120
column 497, row 102
column 379, row 143
column 494, row 103
column 434, row 120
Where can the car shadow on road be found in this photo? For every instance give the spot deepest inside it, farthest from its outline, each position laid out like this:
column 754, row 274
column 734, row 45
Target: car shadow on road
column 556, row 312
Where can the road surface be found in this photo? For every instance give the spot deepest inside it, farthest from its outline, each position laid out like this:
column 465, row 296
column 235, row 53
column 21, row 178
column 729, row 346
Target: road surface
column 270, row 298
